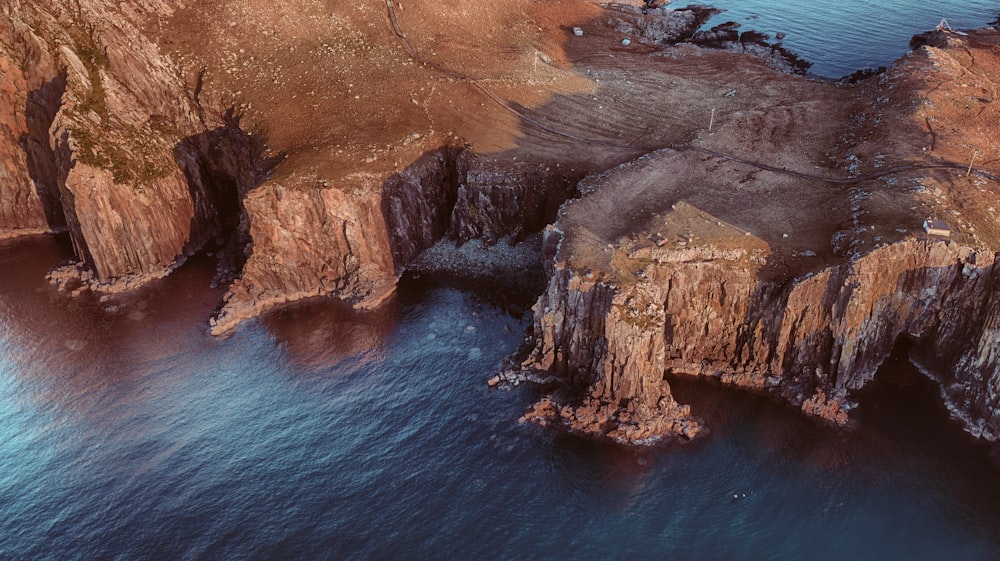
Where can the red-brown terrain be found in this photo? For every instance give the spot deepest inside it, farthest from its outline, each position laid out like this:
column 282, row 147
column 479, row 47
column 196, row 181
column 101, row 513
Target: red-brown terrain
column 735, row 221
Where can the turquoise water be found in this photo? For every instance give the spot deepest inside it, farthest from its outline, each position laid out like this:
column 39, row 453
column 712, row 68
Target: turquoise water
column 127, row 433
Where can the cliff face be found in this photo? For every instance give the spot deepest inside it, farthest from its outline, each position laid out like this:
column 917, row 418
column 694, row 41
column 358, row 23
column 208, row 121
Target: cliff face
column 351, row 239
column 497, row 199
column 105, row 140
column 310, row 242
column 30, row 86
column 813, row 340
column 20, row 204
column 456, row 194
column 126, row 203
column 611, row 365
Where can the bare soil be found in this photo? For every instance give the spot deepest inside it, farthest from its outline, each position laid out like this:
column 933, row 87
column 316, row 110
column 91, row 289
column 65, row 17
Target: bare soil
column 332, row 86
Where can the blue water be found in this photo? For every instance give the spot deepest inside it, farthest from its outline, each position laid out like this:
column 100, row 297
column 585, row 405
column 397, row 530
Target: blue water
column 127, row 433
column 842, row 36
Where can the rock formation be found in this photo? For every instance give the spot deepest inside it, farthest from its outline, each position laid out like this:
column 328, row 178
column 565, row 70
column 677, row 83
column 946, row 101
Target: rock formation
column 111, row 143
column 313, row 239
column 30, row 85
column 754, row 226
column 812, row 340
column 148, row 135
column 784, row 285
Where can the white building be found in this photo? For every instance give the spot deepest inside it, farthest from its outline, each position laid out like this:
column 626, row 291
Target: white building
column 937, row 228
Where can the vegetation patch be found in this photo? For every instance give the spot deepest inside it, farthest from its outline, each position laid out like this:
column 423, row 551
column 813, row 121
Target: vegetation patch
column 94, row 59
column 136, row 157
column 640, row 311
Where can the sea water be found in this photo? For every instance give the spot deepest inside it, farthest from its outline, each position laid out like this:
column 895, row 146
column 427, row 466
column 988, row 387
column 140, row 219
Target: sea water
column 128, row 433
column 840, row 37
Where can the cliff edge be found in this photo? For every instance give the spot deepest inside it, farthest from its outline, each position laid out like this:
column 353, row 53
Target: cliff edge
column 726, row 218
column 798, row 277
column 316, row 150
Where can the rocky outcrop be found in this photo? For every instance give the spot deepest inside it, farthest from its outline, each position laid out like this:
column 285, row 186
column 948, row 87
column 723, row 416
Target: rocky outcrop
column 105, row 140
column 313, row 237
column 813, row 340
column 128, row 205
column 727, row 36
column 660, row 24
column 610, row 363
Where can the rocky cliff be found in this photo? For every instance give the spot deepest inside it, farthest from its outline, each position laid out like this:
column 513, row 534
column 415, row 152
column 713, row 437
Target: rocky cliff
column 109, row 142
column 311, row 237
column 30, row 86
column 812, row 340
column 793, row 286
column 769, row 237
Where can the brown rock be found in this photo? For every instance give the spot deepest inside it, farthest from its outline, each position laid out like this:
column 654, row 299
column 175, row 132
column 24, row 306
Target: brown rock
column 655, row 272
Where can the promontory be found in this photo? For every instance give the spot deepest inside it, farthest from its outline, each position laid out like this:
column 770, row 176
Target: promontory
column 704, row 208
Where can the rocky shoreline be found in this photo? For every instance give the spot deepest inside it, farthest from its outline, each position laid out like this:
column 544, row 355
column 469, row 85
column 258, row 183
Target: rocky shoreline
column 705, row 210
column 699, row 288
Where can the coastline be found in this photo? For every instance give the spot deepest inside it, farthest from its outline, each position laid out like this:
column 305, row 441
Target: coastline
column 449, row 148
column 754, row 282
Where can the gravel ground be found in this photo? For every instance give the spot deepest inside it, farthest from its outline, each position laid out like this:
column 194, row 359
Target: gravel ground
column 510, row 266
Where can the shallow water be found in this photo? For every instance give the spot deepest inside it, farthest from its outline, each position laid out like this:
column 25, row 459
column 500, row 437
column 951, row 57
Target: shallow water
column 127, row 433
column 847, row 35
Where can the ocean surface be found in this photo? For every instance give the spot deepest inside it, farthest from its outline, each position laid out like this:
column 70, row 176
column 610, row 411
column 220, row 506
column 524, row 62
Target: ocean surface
column 842, row 36
column 319, row 433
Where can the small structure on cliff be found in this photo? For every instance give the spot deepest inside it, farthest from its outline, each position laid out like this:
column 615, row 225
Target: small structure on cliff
column 937, row 228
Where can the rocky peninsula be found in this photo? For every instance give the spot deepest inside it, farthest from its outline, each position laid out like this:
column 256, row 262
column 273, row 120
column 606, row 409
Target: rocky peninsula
column 706, row 211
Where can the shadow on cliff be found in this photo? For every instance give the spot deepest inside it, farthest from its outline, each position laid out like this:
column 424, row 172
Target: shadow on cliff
column 452, row 194
column 221, row 166
column 42, row 106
